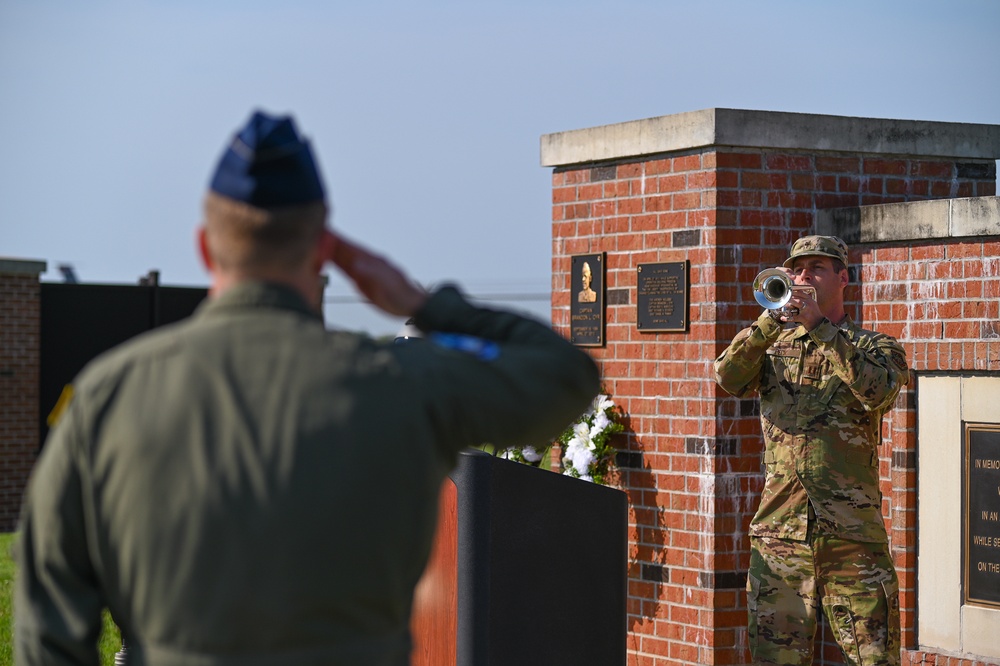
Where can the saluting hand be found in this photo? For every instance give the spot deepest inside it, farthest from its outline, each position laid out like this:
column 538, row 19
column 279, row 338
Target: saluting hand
column 386, row 286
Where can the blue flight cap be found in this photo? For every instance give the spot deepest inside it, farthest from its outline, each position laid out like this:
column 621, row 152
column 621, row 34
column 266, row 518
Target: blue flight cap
column 267, row 165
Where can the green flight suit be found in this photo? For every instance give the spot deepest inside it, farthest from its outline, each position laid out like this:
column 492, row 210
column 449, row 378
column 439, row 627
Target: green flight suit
column 248, row 488
column 822, row 397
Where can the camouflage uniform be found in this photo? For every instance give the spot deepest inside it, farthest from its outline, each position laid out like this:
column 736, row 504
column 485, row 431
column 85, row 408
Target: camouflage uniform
column 818, row 534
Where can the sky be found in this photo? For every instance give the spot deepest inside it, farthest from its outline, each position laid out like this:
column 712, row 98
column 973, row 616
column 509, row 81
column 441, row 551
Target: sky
column 425, row 117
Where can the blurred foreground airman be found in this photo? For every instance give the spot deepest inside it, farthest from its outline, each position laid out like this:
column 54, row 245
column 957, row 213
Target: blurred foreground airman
column 249, row 488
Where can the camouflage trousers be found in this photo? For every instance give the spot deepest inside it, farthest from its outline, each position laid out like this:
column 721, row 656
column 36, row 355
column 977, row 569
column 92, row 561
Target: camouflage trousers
column 855, row 583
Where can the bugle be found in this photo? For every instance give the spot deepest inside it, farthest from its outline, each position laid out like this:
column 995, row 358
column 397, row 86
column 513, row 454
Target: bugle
column 772, row 289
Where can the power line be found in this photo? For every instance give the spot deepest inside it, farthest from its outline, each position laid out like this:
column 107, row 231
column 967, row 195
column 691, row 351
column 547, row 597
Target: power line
column 523, row 297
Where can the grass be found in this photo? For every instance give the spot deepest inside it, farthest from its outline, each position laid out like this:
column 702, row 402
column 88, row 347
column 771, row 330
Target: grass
column 110, row 638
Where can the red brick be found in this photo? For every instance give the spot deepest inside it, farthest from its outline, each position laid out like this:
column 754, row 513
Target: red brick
column 838, row 164
column 885, row 167
column 836, row 200
column 659, row 203
column 687, row 200
column 671, row 183
column 961, row 329
column 727, row 178
column 563, row 194
column 750, row 199
column 631, row 170
column 849, row 184
column 940, row 189
column 657, row 166
column 790, row 162
column 686, row 163
column 590, row 191
column 701, row 180
column 789, row 200
column 873, row 185
column 932, row 169
column 739, row 160
column 803, row 181
column 603, row 208
column 628, row 206
column 763, row 180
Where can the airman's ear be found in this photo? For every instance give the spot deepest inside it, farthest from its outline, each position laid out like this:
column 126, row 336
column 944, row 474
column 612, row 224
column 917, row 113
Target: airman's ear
column 327, row 246
column 203, row 251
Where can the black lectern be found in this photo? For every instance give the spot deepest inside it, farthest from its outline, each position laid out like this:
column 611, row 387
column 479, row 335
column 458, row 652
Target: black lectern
column 540, row 567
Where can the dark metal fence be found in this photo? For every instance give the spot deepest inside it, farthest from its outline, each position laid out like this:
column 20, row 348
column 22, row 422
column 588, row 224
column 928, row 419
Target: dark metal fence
column 80, row 321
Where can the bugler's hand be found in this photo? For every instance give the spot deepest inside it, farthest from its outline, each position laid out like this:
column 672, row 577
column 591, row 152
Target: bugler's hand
column 809, row 314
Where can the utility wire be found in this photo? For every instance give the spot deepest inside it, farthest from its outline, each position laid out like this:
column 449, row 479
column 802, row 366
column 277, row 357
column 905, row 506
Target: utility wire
column 539, row 297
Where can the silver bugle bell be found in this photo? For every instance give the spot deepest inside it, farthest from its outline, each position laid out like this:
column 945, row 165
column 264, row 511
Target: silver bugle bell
column 772, row 288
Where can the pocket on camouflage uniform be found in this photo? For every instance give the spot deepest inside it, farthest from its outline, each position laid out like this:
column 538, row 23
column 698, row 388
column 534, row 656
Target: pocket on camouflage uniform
column 829, row 389
column 753, row 593
column 840, row 616
column 861, row 626
column 893, row 640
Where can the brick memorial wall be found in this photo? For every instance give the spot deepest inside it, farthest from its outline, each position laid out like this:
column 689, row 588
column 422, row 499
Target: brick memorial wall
column 728, row 191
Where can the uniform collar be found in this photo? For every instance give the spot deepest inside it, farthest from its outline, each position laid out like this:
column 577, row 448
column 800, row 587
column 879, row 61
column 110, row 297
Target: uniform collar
column 258, row 295
column 848, row 323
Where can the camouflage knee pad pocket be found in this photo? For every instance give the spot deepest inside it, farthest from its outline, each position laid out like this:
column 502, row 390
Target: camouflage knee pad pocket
column 866, row 624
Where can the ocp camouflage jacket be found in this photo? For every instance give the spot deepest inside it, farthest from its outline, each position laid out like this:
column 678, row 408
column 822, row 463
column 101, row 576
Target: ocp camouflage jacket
column 822, row 397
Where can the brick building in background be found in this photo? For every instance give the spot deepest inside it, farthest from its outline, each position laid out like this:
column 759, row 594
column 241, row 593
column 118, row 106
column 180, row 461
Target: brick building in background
column 727, row 191
column 20, row 363
column 48, row 332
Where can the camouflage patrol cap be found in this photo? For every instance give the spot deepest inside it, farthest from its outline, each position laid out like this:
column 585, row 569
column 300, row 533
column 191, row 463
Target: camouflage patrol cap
column 825, row 246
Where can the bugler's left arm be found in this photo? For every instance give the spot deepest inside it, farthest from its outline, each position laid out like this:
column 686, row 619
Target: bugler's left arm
column 872, row 366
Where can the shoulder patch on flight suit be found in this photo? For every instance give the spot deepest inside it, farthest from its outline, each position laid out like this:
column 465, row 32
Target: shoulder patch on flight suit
column 61, row 404
column 484, row 350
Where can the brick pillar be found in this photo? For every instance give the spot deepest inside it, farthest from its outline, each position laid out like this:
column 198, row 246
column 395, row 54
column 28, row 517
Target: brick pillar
column 728, row 191
column 20, row 311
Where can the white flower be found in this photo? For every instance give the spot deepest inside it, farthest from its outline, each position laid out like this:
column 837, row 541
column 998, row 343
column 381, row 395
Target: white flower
column 586, row 453
column 582, row 459
column 601, row 421
column 530, row 454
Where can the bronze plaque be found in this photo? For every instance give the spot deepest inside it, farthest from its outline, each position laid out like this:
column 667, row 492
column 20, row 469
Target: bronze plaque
column 981, row 509
column 586, row 305
column 662, row 297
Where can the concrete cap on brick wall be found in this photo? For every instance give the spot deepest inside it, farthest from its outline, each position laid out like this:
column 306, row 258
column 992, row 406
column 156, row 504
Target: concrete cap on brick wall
column 22, row 266
column 913, row 220
column 770, row 129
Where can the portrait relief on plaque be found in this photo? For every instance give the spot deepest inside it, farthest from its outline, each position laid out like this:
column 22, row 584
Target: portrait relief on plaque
column 586, row 303
column 587, row 294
